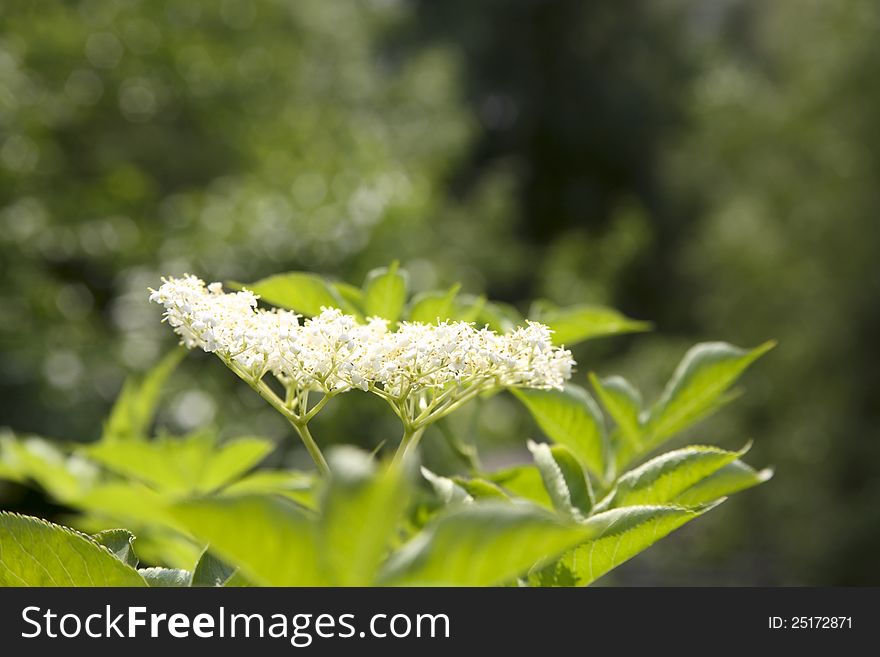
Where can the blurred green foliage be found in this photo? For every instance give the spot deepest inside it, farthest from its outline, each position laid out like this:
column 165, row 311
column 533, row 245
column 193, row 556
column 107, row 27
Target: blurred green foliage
column 781, row 166
column 144, row 138
column 710, row 165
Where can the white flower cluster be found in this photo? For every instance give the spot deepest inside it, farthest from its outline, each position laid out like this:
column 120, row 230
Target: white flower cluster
column 335, row 352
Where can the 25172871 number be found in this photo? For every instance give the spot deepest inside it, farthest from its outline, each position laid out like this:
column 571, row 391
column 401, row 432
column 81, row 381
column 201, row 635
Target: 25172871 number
column 810, row 623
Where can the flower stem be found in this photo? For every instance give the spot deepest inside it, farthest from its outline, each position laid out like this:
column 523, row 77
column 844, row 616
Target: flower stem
column 309, row 414
column 300, row 423
column 445, row 408
column 408, row 443
column 314, row 451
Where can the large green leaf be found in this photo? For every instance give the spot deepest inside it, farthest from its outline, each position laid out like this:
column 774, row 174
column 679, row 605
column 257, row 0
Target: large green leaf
column 575, row 324
column 273, row 481
column 623, row 403
column 564, row 478
column 230, row 460
column 134, row 409
column 34, row 552
column 524, row 481
column 299, row 291
column 570, row 417
column 697, row 387
column 129, row 501
column 429, row 307
column 297, row 485
column 732, row 478
column 271, row 539
column 360, row 510
column 178, row 465
column 664, row 478
column 482, row 544
column 620, row 535
column 385, row 293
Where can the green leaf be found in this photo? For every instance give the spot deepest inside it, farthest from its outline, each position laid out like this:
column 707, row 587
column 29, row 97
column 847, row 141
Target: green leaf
column 273, row 481
column 500, row 317
column 9, row 473
column 664, row 478
column 166, row 577
column 570, row 417
column 623, row 403
column 9, row 467
column 385, row 293
column 119, row 542
column 575, row 324
column 230, row 460
column 297, row 485
column 351, row 294
column 732, row 478
column 622, row 534
column 34, row 552
column 301, row 292
column 429, row 307
column 179, row 465
column 697, row 387
column 480, row 489
column 482, row 544
column 128, row 501
column 134, row 409
column 161, row 545
column 523, row 481
column 211, row 571
column 64, row 477
column 564, row 479
column 446, row 489
column 271, row 539
column 360, row 510
column 468, row 307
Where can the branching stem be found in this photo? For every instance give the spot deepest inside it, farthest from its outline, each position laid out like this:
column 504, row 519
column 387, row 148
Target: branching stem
column 299, row 422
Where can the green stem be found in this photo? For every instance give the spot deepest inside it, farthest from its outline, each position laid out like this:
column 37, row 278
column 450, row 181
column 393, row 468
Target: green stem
column 445, row 409
column 299, row 423
column 317, row 456
column 317, row 407
column 408, row 442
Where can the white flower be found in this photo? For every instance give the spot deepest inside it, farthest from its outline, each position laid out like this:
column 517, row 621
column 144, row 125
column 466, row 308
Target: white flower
column 423, row 370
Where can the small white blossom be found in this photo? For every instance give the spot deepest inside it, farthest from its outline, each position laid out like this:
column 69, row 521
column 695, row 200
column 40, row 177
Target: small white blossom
column 434, row 364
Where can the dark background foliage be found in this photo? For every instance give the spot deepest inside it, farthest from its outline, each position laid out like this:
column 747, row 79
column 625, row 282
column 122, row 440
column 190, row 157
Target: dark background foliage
column 710, row 165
